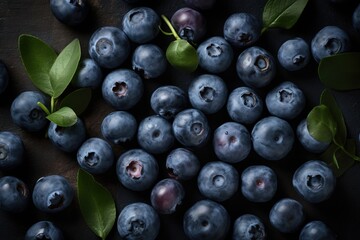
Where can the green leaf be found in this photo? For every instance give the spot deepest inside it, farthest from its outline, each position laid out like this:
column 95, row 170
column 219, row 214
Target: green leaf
column 282, row 13
column 77, row 100
column 37, row 58
column 340, row 71
column 64, row 67
column 64, row 117
column 182, row 55
column 321, row 124
column 328, row 100
column 96, row 204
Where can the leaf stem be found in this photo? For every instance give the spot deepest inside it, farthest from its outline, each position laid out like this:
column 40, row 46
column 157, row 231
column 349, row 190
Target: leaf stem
column 44, row 108
column 52, row 104
column 173, row 31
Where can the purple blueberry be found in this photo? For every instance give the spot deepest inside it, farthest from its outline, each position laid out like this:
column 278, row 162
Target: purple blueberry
column 316, row 230
column 70, row 12
column 166, row 195
column 138, row 221
column 315, row 181
column 14, row 194
column 218, row 181
column 95, row 156
column 182, row 164
column 88, row 75
column 44, row 230
column 4, row 77
column 249, row 227
column 307, row 141
column 122, row 89
column 294, row 54
column 232, row 142
column 137, row 170
column 11, row 150
column 119, row 127
column 258, row 183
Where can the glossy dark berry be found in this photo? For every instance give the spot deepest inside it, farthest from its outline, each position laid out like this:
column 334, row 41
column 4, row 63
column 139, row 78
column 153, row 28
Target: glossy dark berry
column 249, row 227
column 11, row 150
column 70, row 12
column 44, row 230
column 182, row 164
column 88, row 75
column 119, row 127
column 294, row 54
column 316, row 230
column 14, row 194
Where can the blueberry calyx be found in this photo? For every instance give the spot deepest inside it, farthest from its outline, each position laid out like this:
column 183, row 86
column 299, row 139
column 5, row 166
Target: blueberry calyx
column 55, row 200
column 35, row 114
column 42, row 236
column 214, row 50
column 285, row 95
column 315, row 182
column 3, row 152
column 22, row 189
column 207, row 93
column 104, row 46
column 120, row 89
column 187, row 34
column 172, row 173
column 91, row 159
column 218, row 180
column 244, row 38
column 136, row 16
column 255, row 231
column 137, row 227
column 262, row 63
column 249, row 99
column 298, row 59
column 333, row 46
column 134, row 169
column 197, row 128
column 77, row 3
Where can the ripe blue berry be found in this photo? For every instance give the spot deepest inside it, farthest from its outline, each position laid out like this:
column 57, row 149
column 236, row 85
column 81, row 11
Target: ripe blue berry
column 11, row 150
column 14, row 194
column 44, row 230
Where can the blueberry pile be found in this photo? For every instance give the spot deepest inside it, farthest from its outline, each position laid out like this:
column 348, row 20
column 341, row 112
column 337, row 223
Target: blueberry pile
column 223, row 152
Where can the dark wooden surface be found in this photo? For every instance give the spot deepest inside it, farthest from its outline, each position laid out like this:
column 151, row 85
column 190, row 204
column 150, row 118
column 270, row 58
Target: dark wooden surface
column 341, row 212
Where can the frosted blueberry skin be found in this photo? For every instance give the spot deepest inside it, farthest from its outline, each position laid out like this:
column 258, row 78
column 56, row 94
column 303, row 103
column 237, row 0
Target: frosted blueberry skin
column 232, row 142
column 95, row 156
column 122, row 89
column 44, row 230
column 137, row 170
column 119, row 127
column 258, row 183
column 256, row 67
column 67, row 139
column 167, row 101
column 109, row 47
column 182, row 164
column 356, row 18
column 242, row 29
column 138, row 221
column 4, row 77
column 11, row 150
column 328, row 41
column 52, row 194
column 307, row 141
column 200, row 4
column 273, row 138
column 206, row 220
column 286, row 100
column 287, row 215
column 315, row 181
column 208, row 93
column 88, row 75
column 70, row 12
column 141, row 24
column 166, row 195
column 218, row 181
column 155, row 134
column 316, row 230
column 249, row 227
column 244, row 105
column 191, row 128
column 215, row 54
column 294, row 54
column 14, row 194
column 26, row 113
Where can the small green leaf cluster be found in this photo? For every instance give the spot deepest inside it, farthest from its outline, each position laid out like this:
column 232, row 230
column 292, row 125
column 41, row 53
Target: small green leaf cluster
column 52, row 73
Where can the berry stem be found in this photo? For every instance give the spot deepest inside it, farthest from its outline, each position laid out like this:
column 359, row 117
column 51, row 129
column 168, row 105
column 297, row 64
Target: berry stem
column 44, row 108
column 173, row 31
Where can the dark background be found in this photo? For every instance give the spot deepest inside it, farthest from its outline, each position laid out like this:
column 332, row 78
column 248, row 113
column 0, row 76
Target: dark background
column 341, row 212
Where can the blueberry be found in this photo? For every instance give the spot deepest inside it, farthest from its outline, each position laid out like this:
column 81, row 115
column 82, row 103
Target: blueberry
column 206, row 220
column 11, row 150
column 95, row 155
column 231, row 142
column 314, row 180
column 273, row 138
column 244, row 105
column 307, row 141
column 44, row 230
column 167, row 101
column 137, row 170
column 200, row 4
column 182, row 164
column 122, row 89
column 191, row 128
column 258, row 183
column 287, row 215
column 256, row 67
column 70, row 12
column 4, row 77
column 109, row 47
column 26, row 113
column 242, row 29
column 356, row 19
column 14, row 194
column 52, row 193
column 155, row 134
column 294, row 54
column 249, row 227
column 215, row 54
column 328, row 41
column 208, row 93
column 141, row 24
column 286, row 100
column 218, row 181
column 166, row 195
column 149, row 61
column 316, row 230
column 119, row 127
column 88, row 75
column 189, row 23
column 138, row 221
column 67, row 139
